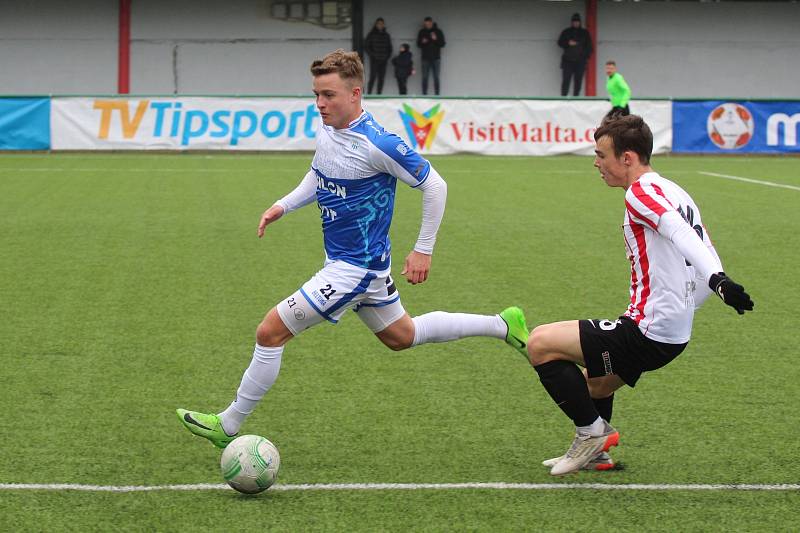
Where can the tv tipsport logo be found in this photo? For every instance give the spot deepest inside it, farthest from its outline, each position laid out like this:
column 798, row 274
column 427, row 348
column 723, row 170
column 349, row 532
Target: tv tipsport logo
column 186, row 123
column 422, row 127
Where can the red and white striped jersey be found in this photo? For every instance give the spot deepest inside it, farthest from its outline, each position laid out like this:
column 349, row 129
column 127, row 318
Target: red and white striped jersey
column 665, row 289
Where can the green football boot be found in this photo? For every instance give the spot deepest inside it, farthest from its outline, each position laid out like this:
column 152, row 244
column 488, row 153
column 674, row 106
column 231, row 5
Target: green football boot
column 207, row 426
column 517, row 336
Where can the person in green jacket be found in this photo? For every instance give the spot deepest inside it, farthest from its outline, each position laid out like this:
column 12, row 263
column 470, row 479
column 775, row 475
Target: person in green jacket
column 618, row 91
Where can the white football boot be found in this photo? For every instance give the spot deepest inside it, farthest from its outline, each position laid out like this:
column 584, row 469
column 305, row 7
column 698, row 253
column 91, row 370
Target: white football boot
column 601, row 461
column 584, row 448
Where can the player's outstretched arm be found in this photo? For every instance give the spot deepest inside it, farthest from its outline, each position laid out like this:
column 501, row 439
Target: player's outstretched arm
column 731, row 292
column 270, row 215
column 303, row 194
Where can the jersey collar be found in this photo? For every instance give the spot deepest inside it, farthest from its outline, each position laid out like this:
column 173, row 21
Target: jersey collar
column 357, row 121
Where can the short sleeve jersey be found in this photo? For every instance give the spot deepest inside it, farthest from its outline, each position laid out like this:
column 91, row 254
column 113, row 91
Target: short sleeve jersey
column 665, row 289
column 357, row 169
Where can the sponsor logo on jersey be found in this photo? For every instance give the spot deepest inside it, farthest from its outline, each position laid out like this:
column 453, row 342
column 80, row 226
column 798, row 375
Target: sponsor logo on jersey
column 421, row 127
column 327, row 212
column 331, row 187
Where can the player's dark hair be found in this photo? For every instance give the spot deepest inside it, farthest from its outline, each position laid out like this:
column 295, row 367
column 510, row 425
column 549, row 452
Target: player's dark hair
column 628, row 133
column 347, row 64
column 611, row 62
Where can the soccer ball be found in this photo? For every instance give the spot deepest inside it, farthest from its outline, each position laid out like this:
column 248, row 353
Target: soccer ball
column 250, row 464
column 730, row 126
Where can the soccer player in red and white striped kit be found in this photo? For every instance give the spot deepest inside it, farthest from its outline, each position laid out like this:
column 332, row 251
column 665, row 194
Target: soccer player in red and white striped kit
column 674, row 268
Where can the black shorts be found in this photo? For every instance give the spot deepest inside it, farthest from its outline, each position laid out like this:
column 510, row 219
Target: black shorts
column 619, row 347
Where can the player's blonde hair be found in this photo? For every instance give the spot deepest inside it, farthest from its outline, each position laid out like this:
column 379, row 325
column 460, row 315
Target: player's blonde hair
column 347, row 64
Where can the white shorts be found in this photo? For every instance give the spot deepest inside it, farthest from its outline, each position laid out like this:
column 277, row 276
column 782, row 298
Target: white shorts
column 340, row 286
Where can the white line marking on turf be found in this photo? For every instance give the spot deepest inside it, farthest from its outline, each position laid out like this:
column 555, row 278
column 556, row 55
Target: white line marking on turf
column 152, row 170
column 748, row 180
column 240, row 170
column 406, row 486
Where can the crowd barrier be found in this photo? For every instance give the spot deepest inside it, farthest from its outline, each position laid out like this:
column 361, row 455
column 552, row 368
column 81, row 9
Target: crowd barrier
column 718, row 126
column 24, row 123
column 501, row 126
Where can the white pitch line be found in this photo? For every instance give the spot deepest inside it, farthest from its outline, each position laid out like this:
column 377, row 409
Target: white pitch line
column 407, row 486
column 240, row 171
column 153, row 170
column 748, row 180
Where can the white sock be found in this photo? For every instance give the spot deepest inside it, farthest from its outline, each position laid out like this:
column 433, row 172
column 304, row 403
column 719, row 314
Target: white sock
column 596, row 428
column 439, row 326
column 256, row 381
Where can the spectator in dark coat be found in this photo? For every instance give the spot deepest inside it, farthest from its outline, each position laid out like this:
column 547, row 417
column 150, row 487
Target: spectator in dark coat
column 431, row 40
column 403, row 67
column 577, row 45
column 378, row 47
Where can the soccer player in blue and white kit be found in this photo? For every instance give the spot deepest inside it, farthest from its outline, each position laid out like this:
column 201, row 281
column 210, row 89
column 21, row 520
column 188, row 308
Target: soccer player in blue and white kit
column 352, row 178
column 674, row 268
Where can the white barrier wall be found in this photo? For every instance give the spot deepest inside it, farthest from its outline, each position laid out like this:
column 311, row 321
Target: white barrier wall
column 231, row 47
column 41, row 54
column 702, row 49
column 664, row 49
column 491, row 126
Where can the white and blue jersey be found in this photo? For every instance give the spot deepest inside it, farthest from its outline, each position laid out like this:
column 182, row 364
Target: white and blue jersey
column 357, row 169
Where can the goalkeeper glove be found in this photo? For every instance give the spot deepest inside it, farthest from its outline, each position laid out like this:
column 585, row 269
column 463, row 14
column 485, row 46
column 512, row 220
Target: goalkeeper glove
column 731, row 292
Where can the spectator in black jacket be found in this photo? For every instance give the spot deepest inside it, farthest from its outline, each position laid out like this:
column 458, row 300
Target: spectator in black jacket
column 403, row 67
column 577, row 45
column 431, row 40
column 378, row 47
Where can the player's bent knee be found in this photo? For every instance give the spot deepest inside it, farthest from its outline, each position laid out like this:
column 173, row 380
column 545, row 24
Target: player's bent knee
column 397, row 345
column 596, row 390
column 264, row 336
column 603, row 387
column 546, row 344
column 538, row 351
column 399, row 335
column 397, row 342
column 272, row 331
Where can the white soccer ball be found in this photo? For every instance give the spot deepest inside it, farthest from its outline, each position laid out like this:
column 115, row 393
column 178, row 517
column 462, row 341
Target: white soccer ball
column 730, row 126
column 250, row 464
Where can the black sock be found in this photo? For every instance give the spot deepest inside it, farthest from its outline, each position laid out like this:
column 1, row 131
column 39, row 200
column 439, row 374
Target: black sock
column 604, row 406
column 567, row 387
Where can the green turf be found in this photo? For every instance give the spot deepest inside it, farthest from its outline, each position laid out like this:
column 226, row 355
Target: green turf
column 132, row 284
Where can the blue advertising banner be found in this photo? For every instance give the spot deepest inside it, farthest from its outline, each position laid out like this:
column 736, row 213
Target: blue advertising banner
column 24, row 123
column 735, row 127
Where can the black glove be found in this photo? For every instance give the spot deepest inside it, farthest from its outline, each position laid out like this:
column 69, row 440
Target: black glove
column 731, row 292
